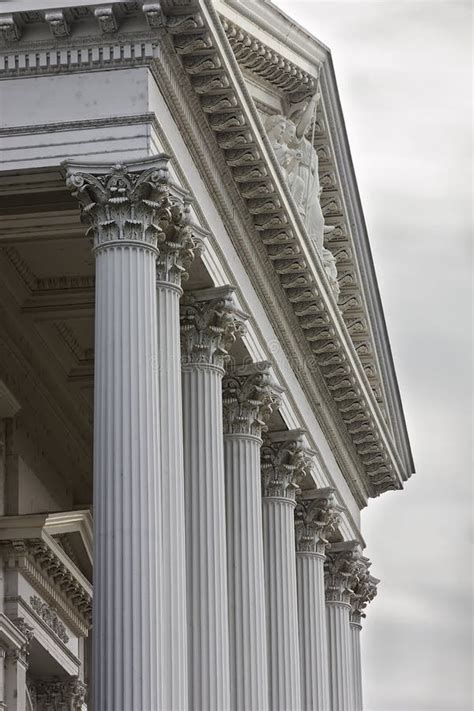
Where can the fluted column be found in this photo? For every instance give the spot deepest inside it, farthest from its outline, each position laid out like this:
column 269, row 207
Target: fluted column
column 176, row 252
column 284, row 462
column 249, row 397
column 16, row 666
column 209, row 325
column 316, row 517
column 364, row 589
column 342, row 562
column 125, row 207
column 355, row 628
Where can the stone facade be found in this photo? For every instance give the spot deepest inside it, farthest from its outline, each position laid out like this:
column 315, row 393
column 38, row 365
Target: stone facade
column 193, row 357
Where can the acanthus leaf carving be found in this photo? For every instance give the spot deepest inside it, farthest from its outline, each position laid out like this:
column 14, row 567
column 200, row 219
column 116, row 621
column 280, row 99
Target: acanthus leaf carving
column 364, row 589
column 285, row 462
column 342, row 566
column 210, row 324
column 122, row 204
column 316, row 517
column 176, row 245
column 249, row 396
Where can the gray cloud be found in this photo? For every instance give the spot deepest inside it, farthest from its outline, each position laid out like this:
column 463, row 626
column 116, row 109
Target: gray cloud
column 404, row 77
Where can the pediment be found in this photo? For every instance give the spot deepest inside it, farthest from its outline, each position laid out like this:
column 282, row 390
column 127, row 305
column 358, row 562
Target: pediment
column 240, row 81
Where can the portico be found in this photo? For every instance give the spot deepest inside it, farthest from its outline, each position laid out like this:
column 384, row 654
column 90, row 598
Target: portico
column 188, row 360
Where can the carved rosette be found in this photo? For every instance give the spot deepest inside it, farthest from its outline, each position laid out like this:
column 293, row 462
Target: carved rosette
column 249, row 396
column 124, row 204
column 285, row 462
column 176, row 245
column 316, row 517
column 342, row 567
column 210, row 324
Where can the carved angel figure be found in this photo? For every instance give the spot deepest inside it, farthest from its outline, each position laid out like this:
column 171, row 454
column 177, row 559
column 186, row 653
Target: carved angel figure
column 299, row 162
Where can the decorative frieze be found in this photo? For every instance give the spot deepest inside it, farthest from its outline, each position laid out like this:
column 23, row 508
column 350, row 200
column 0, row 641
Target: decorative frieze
column 50, row 616
column 210, row 324
column 285, row 462
column 249, row 396
column 316, row 517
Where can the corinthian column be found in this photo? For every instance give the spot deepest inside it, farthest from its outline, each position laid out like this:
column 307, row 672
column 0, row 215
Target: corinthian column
column 125, row 206
column 176, row 252
column 284, row 462
column 364, row 591
column 249, row 397
column 209, row 326
column 341, row 568
column 316, row 517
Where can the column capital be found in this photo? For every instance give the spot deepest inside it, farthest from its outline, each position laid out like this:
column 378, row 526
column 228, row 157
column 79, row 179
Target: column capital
column 177, row 245
column 316, row 516
column 249, row 396
column 123, row 204
column 342, row 567
column 285, row 461
column 58, row 691
column 364, row 589
column 21, row 653
column 210, row 324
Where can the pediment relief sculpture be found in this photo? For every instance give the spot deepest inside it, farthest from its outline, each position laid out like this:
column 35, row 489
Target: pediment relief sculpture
column 298, row 161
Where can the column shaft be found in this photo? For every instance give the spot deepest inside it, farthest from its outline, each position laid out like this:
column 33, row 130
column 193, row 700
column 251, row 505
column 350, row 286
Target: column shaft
column 355, row 629
column 281, row 596
column 312, row 631
column 339, row 647
column 15, row 683
column 174, row 654
column 247, row 620
column 127, row 526
column 208, row 640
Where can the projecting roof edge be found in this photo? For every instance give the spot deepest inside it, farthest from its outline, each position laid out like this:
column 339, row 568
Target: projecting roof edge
column 371, row 293
column 267, row 17
column 201, row 44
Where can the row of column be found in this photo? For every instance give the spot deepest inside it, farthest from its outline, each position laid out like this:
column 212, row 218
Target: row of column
column 204, row 597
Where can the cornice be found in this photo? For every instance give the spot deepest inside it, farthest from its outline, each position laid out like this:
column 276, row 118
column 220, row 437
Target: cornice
column 363, row 312
column 201, row 144
column 209, row 62
column 35, row 554
column 294, row 84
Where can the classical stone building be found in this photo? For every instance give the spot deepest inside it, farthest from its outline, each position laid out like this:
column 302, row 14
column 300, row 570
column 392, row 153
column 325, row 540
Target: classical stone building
column 197, row 396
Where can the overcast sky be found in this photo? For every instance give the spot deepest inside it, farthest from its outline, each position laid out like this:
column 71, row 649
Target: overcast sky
column 404, row 77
